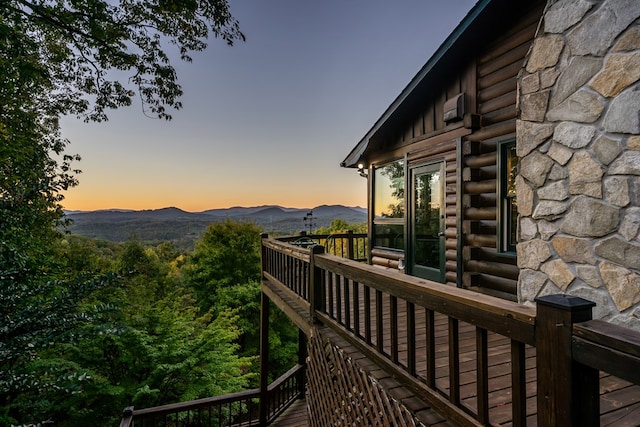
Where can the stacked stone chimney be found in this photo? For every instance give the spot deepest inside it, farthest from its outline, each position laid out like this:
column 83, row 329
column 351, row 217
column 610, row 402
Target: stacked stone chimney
column 578, row 139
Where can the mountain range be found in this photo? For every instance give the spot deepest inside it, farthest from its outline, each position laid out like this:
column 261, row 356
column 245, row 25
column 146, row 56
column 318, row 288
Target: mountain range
column 183, row 228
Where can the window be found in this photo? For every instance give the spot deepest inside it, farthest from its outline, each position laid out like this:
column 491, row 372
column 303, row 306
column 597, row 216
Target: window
column 388, row 206
column 508, row 208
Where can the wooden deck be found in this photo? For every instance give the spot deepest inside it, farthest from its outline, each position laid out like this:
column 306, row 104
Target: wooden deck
column 294, row 416
column 619, row 401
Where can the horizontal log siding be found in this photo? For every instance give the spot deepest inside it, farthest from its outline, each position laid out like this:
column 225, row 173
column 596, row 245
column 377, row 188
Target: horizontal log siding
column 451, row 232
column 498, row 65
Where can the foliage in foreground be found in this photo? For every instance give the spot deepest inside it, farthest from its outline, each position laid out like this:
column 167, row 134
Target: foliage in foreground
column 146, row 343
column 76, row 58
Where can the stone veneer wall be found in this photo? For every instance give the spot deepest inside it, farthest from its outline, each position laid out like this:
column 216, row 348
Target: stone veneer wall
column 578, row 141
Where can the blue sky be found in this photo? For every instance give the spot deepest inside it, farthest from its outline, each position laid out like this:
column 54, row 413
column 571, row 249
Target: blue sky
column 266, row 121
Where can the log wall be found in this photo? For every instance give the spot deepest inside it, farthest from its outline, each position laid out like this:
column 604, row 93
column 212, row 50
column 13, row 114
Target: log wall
column 489, row 82
column 485, row 269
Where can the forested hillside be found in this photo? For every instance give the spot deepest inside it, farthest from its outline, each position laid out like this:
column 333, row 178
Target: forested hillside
column 121, row 324
column 183, row 228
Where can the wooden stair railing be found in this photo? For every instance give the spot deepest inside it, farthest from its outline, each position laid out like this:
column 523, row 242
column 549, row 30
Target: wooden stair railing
column 235, row 409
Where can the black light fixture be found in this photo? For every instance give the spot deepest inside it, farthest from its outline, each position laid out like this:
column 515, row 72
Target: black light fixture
column 362, row 170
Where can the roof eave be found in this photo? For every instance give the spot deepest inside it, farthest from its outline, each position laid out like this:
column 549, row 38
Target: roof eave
column 355, row 156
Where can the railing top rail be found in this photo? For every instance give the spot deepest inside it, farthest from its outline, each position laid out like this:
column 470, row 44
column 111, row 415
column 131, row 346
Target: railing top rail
column 284, row 377
column 131, row 414
column 608, row 347
column 610, row 335
column 504, row 317
column 196, row 404
column 287, row 249
column 323, row 236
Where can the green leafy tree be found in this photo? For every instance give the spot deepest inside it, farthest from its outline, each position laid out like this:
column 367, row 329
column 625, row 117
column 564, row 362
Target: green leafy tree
column 99, row 54
column 60, row 57
column 339, row 225
column 156, row 348
column 224, row 273
column 227, row 255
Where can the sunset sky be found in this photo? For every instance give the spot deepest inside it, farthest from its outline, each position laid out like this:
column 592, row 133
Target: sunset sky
column 269, row 120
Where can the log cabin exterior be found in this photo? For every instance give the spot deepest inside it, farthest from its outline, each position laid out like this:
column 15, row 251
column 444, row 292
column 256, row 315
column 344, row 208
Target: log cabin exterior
column 504, row 214
column 449, row 140
column 506, row 164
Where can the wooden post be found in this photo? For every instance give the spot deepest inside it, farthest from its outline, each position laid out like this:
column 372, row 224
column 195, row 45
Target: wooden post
column 264, row 359
column 567, row 391
column 316, row 290
column 350, row 253
column 263, row 260
column 264, row 341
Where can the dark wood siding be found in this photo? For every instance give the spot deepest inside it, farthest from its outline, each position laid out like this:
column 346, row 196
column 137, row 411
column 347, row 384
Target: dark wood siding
column 486, row 269
column 488, row 78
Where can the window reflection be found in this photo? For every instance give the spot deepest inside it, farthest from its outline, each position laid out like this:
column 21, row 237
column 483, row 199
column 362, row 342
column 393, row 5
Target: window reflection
column 509, row 202
column 388, row 206
column 389, row 190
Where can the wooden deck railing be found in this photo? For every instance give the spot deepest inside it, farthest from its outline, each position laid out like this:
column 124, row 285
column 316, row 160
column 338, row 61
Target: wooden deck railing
column 236, row 409
column 344, row 245
column 391, row 318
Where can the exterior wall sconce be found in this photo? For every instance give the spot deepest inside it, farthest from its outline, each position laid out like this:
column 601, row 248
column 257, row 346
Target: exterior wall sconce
column 362, row 170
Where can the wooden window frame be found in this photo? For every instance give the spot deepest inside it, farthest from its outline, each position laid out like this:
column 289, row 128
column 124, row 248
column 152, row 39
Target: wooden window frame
column 505, row 220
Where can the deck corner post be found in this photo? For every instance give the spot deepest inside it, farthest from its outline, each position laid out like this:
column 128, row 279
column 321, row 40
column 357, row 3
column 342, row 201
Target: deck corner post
column 350, row 253
column 264, row 359
column 566, row 389
column 316, row 297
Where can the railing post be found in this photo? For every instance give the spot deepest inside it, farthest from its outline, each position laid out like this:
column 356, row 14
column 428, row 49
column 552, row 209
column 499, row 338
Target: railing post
column 316, row 292
column 127, row 417
column 567, row 391
column 264, row 340
column 264, row 359
column 350, row 253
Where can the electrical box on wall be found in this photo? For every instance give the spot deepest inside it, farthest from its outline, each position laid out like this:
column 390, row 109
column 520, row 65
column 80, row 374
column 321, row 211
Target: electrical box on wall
column 454, row 108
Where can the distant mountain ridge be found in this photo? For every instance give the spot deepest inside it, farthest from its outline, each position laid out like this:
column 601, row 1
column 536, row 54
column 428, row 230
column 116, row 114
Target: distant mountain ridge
column 183, row 228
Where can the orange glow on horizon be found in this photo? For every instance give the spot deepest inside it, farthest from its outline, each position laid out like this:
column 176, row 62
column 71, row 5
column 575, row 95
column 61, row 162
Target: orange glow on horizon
column 84, row 200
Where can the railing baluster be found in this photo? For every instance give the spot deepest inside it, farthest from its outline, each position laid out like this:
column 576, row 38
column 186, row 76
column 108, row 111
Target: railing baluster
column 347, row 303
column 356, row 308
column 367, row 314
column 330, row 280
column 454, row 361
column 482, row 373
column 411, row 338
column 431, row 347
column 379, row 322
column 393, row 308
column 518, row 383
column 338, row 298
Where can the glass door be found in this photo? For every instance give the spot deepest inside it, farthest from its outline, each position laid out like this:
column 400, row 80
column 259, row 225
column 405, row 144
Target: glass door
column 427, row 222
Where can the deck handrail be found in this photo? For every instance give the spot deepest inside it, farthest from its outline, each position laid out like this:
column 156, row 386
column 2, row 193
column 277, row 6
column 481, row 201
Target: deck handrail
column 345, row 244
column 359, row 301
column 608, row 347
column 281, row 393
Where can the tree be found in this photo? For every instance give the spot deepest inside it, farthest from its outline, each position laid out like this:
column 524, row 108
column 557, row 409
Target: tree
column 224, row 273
column 86, row 44
column 78, row 57
column 227, row 255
